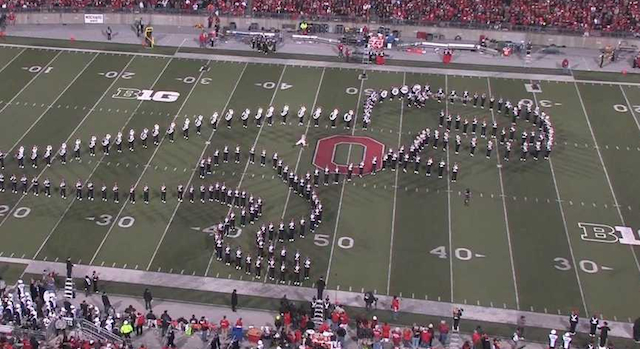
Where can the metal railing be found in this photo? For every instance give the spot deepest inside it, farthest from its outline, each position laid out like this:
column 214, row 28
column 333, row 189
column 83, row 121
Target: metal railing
column 98, row 333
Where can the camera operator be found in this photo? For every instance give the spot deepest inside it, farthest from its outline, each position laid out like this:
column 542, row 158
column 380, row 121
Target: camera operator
column 370, row 299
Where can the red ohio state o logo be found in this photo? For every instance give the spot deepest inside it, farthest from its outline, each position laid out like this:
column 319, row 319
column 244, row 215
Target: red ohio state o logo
column 326, row 150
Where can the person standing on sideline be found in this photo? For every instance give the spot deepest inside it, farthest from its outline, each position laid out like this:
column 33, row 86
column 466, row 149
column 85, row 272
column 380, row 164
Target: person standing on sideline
column 87, row 285
column 520, row 324
column 147, row 299
column 234, row 300
column 95, row 279
column 69, row 267
column 457, row 314
column 320, row 285
column 604, row 334
column 395, row 307
column 106, row 302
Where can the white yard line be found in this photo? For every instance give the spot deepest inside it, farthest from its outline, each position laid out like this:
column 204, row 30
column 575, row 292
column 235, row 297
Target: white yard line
column 446, row 105
column 103, row 155
column 504, row 209
column 606, row 173
column 146, row 166
column 395, row 193
column 51, row 105
column 10, row 150
column 246, row 166
column 633, row 113
column 295, row 169
column 344, row 183
column 9, row 214
column 12, row 59
column 193, row 172
column 566, row 228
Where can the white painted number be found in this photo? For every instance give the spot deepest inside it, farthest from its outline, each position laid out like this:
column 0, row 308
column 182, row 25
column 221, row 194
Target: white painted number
column 463, row 254
column 126, row 222
column 587, row 266
column 205, row 81
column 285, row 86
column 345, row 242
column 351, row 90
column 620, row 108
column 110, row 74
column 526, row 101
column 114, row 74
column 189, row 80
column 21, row 212
column 439, row 251
column 368, row 91
column 235, row 234
column 562, row 264
column 37, row 69
column 545, row 103
column 321, row 240
column 269, row 85
column 105, row 220
column 3, row 210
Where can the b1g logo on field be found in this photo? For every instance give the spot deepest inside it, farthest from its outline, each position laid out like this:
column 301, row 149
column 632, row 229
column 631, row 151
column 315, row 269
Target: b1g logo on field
column 146, row 95
column 326, row 151
column 606, row 234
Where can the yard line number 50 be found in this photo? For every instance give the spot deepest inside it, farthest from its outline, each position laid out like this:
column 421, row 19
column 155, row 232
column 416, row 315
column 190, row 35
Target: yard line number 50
column 322, row 240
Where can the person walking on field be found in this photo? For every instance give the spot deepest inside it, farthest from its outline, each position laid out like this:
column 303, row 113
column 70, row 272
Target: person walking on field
column 320, row 285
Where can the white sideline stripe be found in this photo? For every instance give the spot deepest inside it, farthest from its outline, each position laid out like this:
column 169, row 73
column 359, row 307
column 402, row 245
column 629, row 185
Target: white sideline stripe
column 504, row 208
column 207, row 143
column 344, row 182
column 606, row 173
column 395, row 193
column 9, row 214
column 10, row 150
column 244, row 172
column 324, row 64
column 155, row 151
column 295, row 169
column 95, row 167
column 446, row 105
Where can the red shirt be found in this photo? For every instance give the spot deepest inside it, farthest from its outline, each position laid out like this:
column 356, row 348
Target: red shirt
column 287, row 318
column 239, row 323
column 303, row 321
column 425, row 336
column 407, row 334
column 443, row 328
column 344, row 319
column 224, row 323
column 395, row 304
column 335, row 317
column 475, row 338
column 386, row 331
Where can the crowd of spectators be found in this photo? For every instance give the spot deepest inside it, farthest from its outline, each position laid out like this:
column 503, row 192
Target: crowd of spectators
column 578, row 15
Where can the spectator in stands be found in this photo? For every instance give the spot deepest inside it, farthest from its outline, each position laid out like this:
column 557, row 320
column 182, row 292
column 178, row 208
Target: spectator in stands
column 3, row 286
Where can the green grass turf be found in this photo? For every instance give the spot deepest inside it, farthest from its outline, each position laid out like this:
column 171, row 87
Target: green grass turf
column 11, row 272
column 394, row 233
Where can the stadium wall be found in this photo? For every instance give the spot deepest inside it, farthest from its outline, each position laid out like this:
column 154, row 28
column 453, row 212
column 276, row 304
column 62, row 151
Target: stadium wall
column 406, row 31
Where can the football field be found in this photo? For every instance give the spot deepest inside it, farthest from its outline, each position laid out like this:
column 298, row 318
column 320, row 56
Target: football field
column 542, row 236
